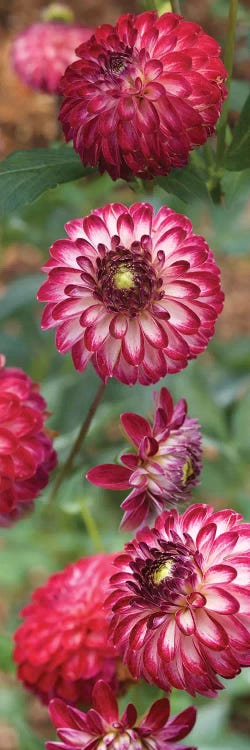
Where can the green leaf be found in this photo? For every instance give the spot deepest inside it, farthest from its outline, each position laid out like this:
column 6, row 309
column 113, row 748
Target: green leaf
column 238, row 154
column 19, row 294
column 241, row 423
column 186, row 183
column 25, row 175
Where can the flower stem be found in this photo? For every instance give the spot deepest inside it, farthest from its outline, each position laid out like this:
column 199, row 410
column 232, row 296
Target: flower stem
column 228, row 60
column 92, row 528
column 176, row 6
column 79, row 441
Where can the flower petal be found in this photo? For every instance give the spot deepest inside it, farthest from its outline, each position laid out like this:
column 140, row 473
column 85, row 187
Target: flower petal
column 109, row 476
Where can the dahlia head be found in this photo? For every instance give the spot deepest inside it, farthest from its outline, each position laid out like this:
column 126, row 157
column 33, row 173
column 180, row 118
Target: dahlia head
column 138, row 294
column 179, row 604
column 101, row 727
column 165, row 466
column 62, row 646
column 143, row 94
column 41, row 53
column 26, row 450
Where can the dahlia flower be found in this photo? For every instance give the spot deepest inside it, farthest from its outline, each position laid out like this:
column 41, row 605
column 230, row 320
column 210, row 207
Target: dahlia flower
column 42, row 52
column 165, row 467
column 143, row 94
column 136, row 294
column 62, row 646
column 26, row 451
column 180, row 600
column 102, row 727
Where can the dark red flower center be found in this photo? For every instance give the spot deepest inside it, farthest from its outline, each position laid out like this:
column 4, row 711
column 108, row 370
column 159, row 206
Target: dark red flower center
column 162, row 576
column 126, row 280
column 118, row 62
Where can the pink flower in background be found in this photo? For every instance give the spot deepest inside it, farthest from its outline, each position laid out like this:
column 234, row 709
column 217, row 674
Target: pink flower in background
column 143, row 94
column 180, row 600
column 42, row 52
column 26, row 451
column 167, row 463
column 138, row 294
column 102, row 727
column 62, row 646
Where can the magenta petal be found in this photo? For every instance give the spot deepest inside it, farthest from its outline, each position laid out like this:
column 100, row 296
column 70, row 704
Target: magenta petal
column 179, row 726
column 221, row 601
column 109, row 476
column 135, row 426
column 157, row 715
column 129, row 716
column 209, row 631
column 59, row 715
column 105, row 702
column 136, row 515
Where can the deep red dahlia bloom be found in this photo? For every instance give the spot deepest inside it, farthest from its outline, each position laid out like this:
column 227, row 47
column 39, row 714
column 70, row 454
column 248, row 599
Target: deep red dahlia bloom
column 180, row 600
column 167, row 463
column 62, row 646
column 102, row 726
column 42, row 52
column 143, row 94
column 26, row 451
column 135, row 293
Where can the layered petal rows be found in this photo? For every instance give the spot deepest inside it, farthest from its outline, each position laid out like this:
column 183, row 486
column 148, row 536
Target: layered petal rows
column 143, row 94
column 164, row 468
column 179, row 607
column 102, row 727
column 42, row 52
column 26, row 450
column 138, row 294
column 62, row 645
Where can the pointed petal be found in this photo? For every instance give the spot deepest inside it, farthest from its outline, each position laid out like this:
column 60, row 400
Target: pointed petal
column 105, row 702
column 157, row 716
column 109, row 476
column 132, row 343
column 210, row 632
column 136, row 427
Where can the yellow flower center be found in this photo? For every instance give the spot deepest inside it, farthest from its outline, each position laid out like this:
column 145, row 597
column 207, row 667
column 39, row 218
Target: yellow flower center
column 164, row 571
column 123, row 278
column 187, row 471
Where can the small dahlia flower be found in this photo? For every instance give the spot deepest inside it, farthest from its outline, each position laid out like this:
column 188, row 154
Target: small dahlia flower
column 167, row 463
column 180, row 600
column 101, row 727
column 143, row 94
column 26, row 451
column 62, row 646
column 138, row 294
column 41, row 53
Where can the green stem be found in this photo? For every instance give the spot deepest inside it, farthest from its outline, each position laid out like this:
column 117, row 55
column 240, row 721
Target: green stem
column 92, row 528
column 78, row 442
column 176, row 6
column 148, row 186
column 228, row 60
column 148, row 5
column 208, row 155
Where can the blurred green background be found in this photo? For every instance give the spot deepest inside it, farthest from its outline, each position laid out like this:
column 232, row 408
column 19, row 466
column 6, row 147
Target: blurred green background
column 216, row 386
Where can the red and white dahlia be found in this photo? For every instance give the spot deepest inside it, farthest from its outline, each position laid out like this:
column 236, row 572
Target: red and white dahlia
column 143, row 94
column 167, row 463
column 101, row 727
column 26, row 450
column 62, row 646
column 180, row 600
column 138, row 294
column 41, row 53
